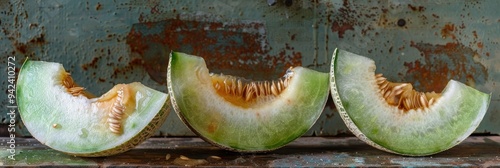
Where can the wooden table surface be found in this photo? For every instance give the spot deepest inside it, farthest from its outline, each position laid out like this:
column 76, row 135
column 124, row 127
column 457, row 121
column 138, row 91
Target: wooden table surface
column 475, row 151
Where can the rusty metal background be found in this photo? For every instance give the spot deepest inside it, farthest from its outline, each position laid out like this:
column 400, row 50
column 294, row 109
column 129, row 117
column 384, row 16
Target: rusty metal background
column 103, row 43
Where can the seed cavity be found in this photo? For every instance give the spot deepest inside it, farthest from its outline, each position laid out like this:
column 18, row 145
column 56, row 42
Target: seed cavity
column 403, row 96
column 71, row 86
column 119, row 103
column 117, row 111
column 116, row 114
column 248, row 90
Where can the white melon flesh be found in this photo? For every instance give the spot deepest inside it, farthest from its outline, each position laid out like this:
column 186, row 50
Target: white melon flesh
column 263, row 126
column 78, row 125
column 424, row 131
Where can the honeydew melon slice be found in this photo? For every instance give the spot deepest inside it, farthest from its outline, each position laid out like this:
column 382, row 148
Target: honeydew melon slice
column 242, row 115
column 63, row 116
column 395, row 118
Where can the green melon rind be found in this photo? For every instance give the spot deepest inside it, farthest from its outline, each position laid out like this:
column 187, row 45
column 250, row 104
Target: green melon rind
column 243, row 131
column 30, row 103
column 361, row 112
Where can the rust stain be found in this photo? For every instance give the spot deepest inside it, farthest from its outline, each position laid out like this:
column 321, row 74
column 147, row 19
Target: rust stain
column 382, row 20
column 447, row 31
column 442, row 63
column 118, row 70
column 462, row 26
column 480, row 45
column 345, row 19
column 134, row 37
column 38, row 40
column 98, row 6
column 24, row 48
column 416, row 8
column 142, row 20
column 155, row 9
column 341, row 28
column 129, row 68
column 21, row 47
column 91, row 64
column 225, row 47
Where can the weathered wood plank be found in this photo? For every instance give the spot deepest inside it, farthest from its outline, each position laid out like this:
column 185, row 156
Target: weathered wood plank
column 482, row 151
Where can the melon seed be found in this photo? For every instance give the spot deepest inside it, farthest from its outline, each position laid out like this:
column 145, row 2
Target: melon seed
column 184, row 157
column 71, row 87
column 213, row 158
column 185, row 161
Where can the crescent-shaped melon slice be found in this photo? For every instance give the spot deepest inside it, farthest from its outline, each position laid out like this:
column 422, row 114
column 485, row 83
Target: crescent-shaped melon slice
column 243, row 115
column 395, row 118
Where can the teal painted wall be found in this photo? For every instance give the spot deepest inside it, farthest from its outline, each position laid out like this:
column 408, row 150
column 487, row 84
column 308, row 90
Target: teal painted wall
column 103, row 43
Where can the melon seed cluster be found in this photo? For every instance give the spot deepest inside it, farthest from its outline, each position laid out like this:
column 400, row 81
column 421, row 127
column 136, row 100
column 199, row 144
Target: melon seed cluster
column 250, row 90
column 403, row 96
column 69, row 84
